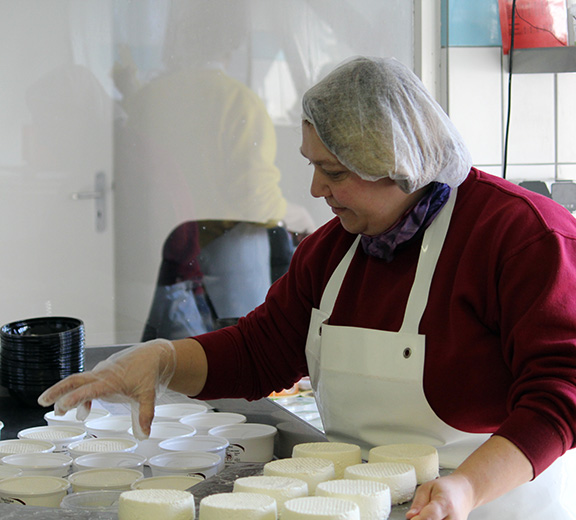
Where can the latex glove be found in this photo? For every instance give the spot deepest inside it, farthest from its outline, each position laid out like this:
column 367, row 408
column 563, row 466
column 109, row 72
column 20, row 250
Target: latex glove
column 449, row 497
column 136, row 375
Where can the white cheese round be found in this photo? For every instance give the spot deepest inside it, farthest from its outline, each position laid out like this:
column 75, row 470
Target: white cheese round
column 399, row 477
column 372, row 498
column 341, row 454
column 423, row 457
column 311, row 470
column 152, row 504
column 320, row 508
column 280, row 489
column 237, row 506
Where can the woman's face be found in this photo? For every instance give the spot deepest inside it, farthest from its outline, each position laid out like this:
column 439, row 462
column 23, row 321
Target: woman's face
column 363, row 207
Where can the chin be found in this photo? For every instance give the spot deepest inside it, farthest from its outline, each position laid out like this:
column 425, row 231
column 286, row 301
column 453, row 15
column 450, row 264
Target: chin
column 355, row 230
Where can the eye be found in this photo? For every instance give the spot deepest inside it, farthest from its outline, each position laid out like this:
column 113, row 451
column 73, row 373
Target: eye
column 336, row 174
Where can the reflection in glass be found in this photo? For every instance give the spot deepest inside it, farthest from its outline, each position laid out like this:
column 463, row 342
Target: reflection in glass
column 110, row 56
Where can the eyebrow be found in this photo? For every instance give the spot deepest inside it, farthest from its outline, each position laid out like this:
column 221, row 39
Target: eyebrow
column 322, row 164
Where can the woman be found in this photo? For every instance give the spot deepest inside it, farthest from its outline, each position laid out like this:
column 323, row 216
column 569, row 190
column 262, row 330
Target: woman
column 437, row 307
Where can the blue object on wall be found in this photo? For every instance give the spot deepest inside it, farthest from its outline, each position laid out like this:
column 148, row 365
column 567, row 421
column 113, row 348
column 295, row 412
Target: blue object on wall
column 471, row 23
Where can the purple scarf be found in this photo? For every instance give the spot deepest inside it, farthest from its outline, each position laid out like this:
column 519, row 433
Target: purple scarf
column 412, row 223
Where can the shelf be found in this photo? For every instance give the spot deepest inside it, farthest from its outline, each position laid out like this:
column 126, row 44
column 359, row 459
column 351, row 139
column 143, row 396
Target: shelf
column 543, row 60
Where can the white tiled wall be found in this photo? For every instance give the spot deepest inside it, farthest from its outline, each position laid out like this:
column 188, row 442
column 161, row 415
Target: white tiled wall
column 567, row 118
column 541, row 143
column 475, row 100
column 532, row 122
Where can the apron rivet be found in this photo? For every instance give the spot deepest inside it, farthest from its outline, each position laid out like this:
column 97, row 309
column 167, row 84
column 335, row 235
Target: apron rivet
column 319, row 331
column 407, row 352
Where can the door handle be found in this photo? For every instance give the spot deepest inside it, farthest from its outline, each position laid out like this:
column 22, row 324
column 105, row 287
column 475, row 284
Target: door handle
column 99, row 197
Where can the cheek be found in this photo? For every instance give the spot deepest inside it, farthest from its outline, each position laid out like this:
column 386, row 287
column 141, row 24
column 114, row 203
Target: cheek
column 357, row 200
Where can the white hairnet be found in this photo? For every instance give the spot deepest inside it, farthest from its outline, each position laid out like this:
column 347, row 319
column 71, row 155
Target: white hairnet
column 378, row 119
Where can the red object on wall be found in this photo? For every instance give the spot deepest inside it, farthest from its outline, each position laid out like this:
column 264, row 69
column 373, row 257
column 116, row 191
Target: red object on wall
column 538, row 23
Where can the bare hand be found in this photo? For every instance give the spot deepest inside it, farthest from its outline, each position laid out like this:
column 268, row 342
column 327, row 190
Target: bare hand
column 449, row 498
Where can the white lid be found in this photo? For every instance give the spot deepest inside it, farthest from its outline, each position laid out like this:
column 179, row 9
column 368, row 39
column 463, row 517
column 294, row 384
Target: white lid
column 117, row 423
column 196, row 443
column 214, row 419
column 166, row 430
column 37, row 460
column 105, row 477
column 193, row 460
column 178, row 410
column 110, row 460
column 9, row 471
column 33, row 485
column 70, row 416
column 100, row 500
column 243, row 431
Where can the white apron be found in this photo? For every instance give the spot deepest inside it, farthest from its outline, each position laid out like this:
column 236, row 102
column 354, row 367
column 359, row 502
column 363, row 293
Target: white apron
column 369, row 389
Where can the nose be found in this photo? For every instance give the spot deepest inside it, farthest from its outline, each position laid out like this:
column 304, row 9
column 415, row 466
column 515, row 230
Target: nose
column 319, row 188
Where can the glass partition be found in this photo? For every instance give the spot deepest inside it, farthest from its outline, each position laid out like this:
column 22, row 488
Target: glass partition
column 150, row 178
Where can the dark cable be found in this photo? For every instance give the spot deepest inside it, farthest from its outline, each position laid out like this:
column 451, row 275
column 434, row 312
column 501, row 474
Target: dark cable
column 510, row 54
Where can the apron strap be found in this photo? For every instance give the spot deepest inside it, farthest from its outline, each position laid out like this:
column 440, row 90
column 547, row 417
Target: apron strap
column 333, row 287
column 432, row 244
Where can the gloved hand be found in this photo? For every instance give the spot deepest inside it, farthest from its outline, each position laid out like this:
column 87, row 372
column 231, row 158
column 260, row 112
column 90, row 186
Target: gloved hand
column 136, row 375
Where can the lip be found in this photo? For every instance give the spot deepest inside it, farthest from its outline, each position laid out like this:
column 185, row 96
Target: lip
column 337, row 211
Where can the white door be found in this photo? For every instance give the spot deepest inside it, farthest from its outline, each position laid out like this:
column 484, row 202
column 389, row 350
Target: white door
column 56, row 134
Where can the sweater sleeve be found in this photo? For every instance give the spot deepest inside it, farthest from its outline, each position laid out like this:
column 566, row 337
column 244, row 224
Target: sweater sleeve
column 537, row 288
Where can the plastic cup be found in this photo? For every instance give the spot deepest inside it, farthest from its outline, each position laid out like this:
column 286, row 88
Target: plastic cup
column 60, row 436
column 249, row 442
column 110, row 460
column 175, row 411
column 205, row 443
column 159, row 432
column 190, row 463
column 9, row 471
column 119, row 479
column 110, row 426
column 103, row 501
column 34, row 490
column 205, row 422
column 69, row 418
column 51, row 464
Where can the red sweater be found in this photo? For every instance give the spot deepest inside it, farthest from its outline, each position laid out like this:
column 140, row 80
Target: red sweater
column 500, row 323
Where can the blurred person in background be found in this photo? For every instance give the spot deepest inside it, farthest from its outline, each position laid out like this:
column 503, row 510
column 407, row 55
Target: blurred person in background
column 215, row 132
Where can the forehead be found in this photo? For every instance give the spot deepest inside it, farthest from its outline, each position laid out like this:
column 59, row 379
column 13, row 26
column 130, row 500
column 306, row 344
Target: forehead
column 314, row 149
